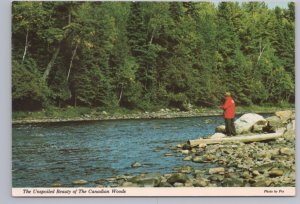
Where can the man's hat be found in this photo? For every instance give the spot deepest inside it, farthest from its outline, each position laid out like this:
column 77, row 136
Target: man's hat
column 227, row 93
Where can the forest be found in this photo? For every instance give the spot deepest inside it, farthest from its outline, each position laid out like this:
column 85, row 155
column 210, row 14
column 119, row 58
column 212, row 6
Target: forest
column 146, row 55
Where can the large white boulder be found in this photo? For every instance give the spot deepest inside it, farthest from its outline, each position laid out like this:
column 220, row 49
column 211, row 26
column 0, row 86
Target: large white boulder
column 246, row 122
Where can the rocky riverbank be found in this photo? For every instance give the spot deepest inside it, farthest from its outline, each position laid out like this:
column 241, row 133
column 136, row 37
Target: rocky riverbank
column 254, row 164
column 161, row 114
column 95, row 115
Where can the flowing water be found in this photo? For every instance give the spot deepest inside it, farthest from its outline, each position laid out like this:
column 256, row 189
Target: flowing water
column 64, row 152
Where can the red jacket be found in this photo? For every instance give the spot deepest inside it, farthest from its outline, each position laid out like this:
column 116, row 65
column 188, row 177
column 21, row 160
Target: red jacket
column 229, row 108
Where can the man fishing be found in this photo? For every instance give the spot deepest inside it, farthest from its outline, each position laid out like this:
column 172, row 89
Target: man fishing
column 229, row 114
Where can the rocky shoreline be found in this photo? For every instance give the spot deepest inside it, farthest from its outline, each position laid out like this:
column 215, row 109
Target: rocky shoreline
column 255, row 164
column 161, row 114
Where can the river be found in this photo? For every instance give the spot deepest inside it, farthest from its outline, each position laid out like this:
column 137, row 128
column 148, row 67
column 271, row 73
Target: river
column 49, row 152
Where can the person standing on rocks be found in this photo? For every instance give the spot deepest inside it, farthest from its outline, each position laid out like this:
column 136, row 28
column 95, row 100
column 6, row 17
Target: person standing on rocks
column 229, row 114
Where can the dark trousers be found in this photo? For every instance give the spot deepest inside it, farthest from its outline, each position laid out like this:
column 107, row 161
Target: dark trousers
column 229, row 127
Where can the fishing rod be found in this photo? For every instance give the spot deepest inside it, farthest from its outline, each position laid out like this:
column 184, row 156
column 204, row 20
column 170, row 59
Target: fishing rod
column 209, row 103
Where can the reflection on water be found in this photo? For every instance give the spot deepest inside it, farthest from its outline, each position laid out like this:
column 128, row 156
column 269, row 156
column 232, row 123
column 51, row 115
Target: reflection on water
column 45, row 153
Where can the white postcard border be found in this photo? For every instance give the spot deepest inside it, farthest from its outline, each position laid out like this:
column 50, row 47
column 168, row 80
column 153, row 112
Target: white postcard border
column 147, row 192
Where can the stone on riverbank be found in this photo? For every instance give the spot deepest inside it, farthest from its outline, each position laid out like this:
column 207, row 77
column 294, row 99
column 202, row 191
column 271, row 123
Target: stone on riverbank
column 188, row 158
column 286, row 151
column 245, row 123
column 274, row 122
column 178, row 178
column 185, row 151
column 217, row 170
column 79, row 182
column 200, row 182
column 285, row 115
column 130, row 184
column 146, row 180
column 220, row 129
column 276, row 172
column 233, row 182
column 197, row 159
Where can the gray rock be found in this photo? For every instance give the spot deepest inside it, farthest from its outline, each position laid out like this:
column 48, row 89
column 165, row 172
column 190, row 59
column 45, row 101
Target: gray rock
column 179, row 146
column 209, row 157
column 284, row 115
column 287, row 151
column 188, row 158
column 258, row 128
column 186, row 169
column 147, row 180
column 130, row 184
column 274, row 123
column 200, row 182
column 290, row 135
column 220, row 129
column 291, row 125
column 202, row 145
column 185, row 151
column 136, row 165
column 216, row 177
column 197, row 159
column 79, row 182
column 245, row 123
column 276, row 172
column 246, row 175
column 189, row 183
column 233, row 182
column 165, row 184
column 217, row 170
column 178, row 178
column 263, row 183
column 255, row 173
column 56, row 184
column 178, row 184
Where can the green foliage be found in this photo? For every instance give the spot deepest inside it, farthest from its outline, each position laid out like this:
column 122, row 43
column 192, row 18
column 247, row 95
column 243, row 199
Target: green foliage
column 29, row 92
column 146, row 55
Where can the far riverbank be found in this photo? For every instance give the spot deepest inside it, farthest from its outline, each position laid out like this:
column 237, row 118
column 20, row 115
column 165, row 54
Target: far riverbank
column 72, row 114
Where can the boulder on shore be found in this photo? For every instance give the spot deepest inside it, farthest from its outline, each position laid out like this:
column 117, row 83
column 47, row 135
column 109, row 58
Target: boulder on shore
column 220, row 129
column 285, row 115
column 246, row 122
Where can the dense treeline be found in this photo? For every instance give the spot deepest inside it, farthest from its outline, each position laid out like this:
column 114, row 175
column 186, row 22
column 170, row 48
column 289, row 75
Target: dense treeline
column 141, row 55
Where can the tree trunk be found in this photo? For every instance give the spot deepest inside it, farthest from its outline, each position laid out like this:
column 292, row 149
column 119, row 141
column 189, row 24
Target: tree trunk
column 71, row 62
column 249, row 138
column 26, row 45
column 261, row 50
column 51, row 63
column 121, row 94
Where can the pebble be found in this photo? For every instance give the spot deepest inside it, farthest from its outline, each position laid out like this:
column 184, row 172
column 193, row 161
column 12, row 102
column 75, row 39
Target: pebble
column 136, row 165
column 79, row 182
column 185, row 151
column 188, row 158
column 217, row 170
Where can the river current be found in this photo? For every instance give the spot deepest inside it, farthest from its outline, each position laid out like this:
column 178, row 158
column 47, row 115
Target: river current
column 64, row 152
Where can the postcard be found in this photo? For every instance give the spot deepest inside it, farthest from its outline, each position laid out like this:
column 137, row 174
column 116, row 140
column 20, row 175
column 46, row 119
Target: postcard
column 145, row 98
